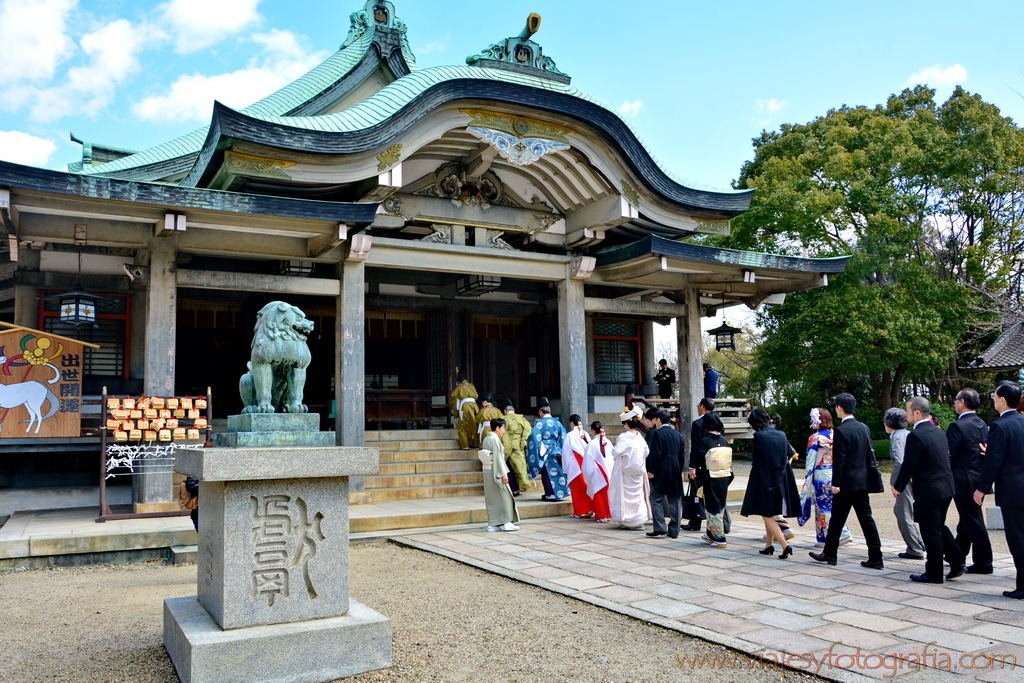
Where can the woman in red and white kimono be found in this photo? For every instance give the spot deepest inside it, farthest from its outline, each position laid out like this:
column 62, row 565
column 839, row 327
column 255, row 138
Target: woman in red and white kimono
column 597, row 464
column 572, row 462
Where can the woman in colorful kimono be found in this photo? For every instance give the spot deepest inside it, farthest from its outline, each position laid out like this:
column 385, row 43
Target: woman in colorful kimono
column 817, row 489
column 544, row 454
column 628, row 489
column 711, row 469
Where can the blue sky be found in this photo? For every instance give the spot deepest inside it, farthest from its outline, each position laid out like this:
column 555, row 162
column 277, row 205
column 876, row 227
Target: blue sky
column 696, row 80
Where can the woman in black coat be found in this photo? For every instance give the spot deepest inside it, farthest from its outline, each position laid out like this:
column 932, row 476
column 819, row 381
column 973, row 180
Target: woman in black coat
column 771, row 488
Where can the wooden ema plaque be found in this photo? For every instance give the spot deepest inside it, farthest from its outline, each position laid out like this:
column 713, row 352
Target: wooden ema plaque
column 40, row 384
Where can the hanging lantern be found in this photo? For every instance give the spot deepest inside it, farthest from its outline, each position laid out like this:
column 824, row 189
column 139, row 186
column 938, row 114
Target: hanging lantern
column 77, row 308
column 725, row 336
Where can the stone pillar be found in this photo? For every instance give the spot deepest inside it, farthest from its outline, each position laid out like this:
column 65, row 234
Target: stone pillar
column 350, row 365
column 154, row 492
column 649, row 360
column 572, row 349
column 272, row 568
column 689, row 374
column 26, row 302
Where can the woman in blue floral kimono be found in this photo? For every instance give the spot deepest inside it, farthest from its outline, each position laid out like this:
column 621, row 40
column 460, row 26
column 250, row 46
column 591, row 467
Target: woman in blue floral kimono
column 817, row 491
column 544, row 454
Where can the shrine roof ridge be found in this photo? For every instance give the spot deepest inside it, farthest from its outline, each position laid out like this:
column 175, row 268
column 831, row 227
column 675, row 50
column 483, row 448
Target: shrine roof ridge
column 397, row 107
column 45, row 180
column 659, row 246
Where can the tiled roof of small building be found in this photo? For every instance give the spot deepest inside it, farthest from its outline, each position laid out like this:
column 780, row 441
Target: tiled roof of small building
column 1005, row 353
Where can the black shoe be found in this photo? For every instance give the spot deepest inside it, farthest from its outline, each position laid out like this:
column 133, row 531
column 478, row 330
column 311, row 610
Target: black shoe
column 873, row 564
column 770, row 550
column 786, row 552
column 822, row 557
column 908, row 556
column 924, row 578
column 979, row 569
column 655, row 534
column 1016, row 595
column 673, row 535
column 956, row 571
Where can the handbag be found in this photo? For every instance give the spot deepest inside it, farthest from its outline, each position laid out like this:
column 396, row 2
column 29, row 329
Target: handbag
column 693, row 505
column 875, row 483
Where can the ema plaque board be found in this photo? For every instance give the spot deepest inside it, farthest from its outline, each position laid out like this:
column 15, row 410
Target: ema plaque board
column 40, row 385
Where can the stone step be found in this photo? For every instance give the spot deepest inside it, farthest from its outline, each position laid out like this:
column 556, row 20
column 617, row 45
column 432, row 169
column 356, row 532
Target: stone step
column 403, row 434
column 419, row 456
column 477, row 515
column 430, row 445
column 415, row 493
column 429, row 467
column 423, row 480
column 184, row 553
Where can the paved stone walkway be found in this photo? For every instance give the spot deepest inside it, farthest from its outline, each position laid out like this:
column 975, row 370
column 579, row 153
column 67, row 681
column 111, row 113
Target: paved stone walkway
column 763, row 606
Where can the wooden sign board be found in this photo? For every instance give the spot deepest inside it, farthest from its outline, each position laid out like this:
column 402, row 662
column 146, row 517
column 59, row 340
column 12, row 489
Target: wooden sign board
column 40, row 385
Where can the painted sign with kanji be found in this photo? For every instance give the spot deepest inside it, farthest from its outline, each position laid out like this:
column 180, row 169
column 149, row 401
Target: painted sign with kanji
column 40, row 384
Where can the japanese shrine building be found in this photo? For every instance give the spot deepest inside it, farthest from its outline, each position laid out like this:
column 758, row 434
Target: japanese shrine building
column 489, row 217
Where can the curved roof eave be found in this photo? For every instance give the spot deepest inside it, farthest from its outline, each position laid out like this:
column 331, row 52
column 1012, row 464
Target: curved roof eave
column 401, row 104
column 659, row 246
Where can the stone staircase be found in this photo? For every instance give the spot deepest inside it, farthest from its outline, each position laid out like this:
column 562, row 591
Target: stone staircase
column 420, row 464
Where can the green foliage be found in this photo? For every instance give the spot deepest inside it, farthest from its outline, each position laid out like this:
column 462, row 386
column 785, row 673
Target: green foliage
column 882, row 447
column 944, row 414
column 927, row 202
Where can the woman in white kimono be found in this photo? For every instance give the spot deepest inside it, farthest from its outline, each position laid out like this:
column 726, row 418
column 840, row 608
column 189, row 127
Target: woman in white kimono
column 628, row 490
column 502, row 512
column 597, row 466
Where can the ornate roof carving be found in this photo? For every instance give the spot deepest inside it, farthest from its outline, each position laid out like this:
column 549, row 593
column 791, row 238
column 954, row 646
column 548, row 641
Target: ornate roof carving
column 519, row 53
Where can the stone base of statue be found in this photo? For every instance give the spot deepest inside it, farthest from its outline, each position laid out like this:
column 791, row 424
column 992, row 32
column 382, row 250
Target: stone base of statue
column 273, row 601
column 269, row 430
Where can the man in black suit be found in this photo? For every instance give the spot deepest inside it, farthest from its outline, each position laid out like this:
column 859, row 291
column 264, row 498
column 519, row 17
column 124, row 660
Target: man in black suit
column 666, row 463
column 852, row 455
column 966, row 437
column 926, row 462
column 705, row 406
column 1004, row 466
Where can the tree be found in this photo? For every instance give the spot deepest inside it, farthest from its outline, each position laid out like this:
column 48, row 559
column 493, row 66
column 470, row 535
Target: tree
column 926, row 200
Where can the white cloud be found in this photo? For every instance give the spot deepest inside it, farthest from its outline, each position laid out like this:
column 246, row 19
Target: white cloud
column 111, row 57
column 22, row 148
column 191, row 96
column 631, row 108
column 939, row 75
column 439, row 45
column 33, row 38
column 765, row 110
column 198, row 24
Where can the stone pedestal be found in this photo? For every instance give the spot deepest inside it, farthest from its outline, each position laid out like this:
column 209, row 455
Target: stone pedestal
column 273, row 601
column 995, row 518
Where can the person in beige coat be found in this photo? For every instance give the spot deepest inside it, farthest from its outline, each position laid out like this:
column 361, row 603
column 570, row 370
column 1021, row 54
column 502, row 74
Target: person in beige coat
column 502, row 512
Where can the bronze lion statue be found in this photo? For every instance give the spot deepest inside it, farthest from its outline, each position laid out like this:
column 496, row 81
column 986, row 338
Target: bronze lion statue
column 280, row 356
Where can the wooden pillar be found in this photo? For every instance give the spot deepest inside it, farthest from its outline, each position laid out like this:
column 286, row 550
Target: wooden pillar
column 572, row 349
column 154, row 491
column 350, row 373
column 691, row 356
column 26, row 302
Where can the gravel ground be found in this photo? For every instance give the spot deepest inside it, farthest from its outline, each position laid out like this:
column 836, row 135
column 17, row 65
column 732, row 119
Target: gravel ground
column 103, row 624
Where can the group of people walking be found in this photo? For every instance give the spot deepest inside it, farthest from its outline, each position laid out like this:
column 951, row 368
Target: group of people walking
column 641, row 478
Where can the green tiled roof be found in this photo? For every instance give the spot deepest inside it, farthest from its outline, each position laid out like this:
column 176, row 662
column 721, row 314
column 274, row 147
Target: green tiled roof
column 284, row 100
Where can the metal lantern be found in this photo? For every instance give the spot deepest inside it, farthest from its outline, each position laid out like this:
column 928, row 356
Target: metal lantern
column 725, row 336
column 77, row 307
column 475, row 285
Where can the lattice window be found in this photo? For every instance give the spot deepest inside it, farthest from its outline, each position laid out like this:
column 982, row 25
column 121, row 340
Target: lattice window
column 616, row 352
column 111, row 333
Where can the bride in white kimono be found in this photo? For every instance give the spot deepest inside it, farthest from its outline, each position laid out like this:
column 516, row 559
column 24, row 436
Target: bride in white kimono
column 628, row 489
